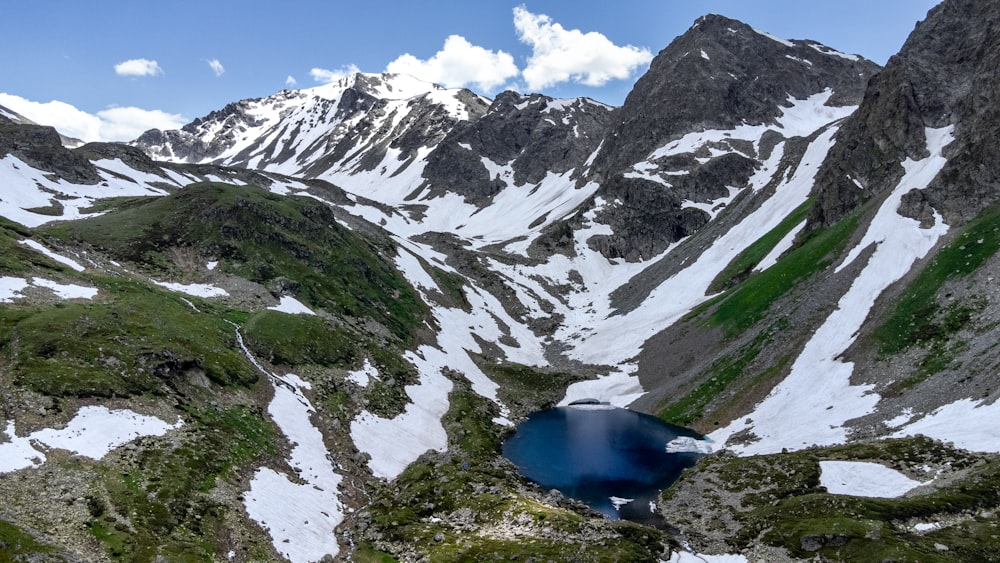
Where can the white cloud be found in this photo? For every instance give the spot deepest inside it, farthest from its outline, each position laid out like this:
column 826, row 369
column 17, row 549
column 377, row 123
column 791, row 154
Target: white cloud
column 112, row 124
column 459, row 63
column 138, row 67
column 561, row 55
column 127, row 123
column 326, row 76
column 290, row 81
column 217, row 67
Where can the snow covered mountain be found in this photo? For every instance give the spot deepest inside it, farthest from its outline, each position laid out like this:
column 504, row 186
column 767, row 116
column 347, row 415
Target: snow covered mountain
column 782, row 246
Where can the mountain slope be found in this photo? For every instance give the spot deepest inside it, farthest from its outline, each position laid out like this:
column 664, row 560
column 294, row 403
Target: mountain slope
column 780, row 245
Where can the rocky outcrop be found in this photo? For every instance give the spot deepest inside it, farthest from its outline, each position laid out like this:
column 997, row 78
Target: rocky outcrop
column 41, row 147
column 719, row 75
column 945, row 75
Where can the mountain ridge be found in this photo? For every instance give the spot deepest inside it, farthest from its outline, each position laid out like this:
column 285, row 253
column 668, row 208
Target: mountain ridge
column 797, row 264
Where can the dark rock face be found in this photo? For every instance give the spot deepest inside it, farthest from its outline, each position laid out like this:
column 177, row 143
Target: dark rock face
column 719, row 74
column 947, row 73
column 534, row 134
column 41, row 147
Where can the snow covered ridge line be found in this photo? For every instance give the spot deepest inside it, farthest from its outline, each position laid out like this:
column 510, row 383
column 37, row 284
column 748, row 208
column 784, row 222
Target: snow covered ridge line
column 93, row 432
column 26, row 191
column 57, row 257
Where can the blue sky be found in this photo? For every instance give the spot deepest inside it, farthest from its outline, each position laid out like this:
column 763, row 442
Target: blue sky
column 115, row 67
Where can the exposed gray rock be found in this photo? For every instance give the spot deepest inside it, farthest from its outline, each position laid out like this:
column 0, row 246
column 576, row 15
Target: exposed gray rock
column 41, row 147
column 945, row 74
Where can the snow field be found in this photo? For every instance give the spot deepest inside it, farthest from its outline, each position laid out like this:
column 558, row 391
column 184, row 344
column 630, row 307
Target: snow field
column 395, row 443
column 292, row 306
column 864, row 479
column 30, row 188
column 300, row 517
column 812, row 404
column 93, row 432
column 194, row 289
column 57, row 257
column 967, row 423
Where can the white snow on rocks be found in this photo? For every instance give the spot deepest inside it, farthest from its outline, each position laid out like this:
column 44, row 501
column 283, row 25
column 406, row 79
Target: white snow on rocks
column 93, row 432
column 967, row 423
column 783, row 246
column 299, row 516
column 23, row 188
column 194, row 289
column 619, row 388
column 66, row 290
column 864, row 479
column 292, row 306
column 394, row 443
column 688, row 557
column 812, row 404
column 11, row 288
column 57, row 257
column 363, row 376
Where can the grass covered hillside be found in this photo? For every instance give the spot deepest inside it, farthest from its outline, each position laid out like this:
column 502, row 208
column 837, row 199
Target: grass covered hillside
column 288, row 244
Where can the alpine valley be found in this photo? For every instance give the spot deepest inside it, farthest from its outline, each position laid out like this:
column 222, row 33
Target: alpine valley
column 301, row 327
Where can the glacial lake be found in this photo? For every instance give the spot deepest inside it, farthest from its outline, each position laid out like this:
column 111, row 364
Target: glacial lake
column 615, row 460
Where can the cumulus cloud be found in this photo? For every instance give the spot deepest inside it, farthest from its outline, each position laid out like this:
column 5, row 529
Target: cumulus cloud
column 459, row 63
column 561, row 55
column 112, row 124
column 290, row 81
column 138, row 67
column 326, row 76
column 216, row 67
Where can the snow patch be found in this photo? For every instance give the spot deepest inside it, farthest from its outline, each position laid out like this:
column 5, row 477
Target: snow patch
column 194, row 289
column 363, row 376
column 833, row 52
column 773, row 38
column 93, row 432
column 394, row 443
column 864, row 479
column 292, row 306
column 57, row 257
column 688, row 557
column 11, row 287
column 967, row 423
column 300, row 517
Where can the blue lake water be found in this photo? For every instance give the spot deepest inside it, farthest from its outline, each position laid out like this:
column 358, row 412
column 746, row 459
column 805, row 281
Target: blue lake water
column 598, row 454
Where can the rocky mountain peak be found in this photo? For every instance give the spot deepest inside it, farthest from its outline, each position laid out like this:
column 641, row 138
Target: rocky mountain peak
column 722, row 73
